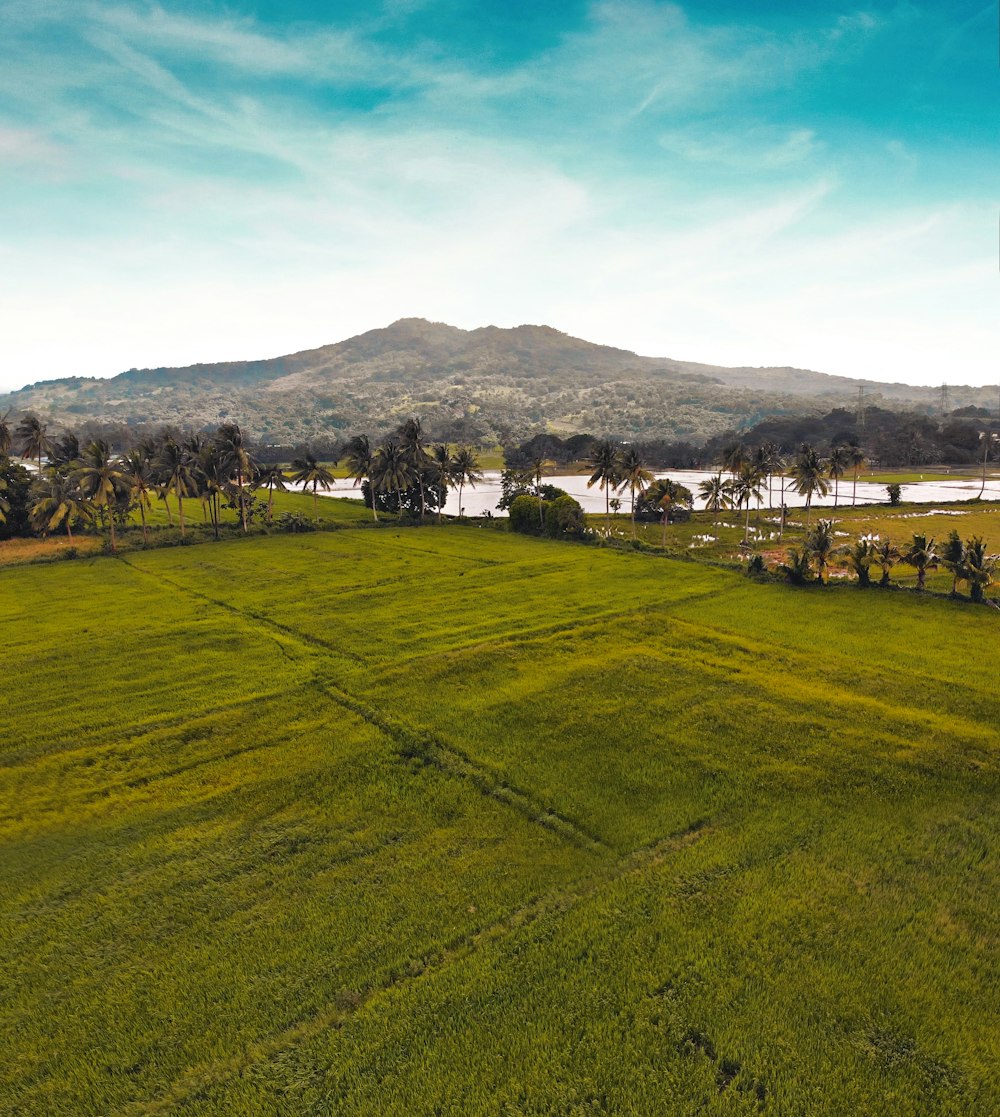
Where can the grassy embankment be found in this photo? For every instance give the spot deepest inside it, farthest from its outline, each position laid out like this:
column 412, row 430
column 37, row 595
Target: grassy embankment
column 451, row 821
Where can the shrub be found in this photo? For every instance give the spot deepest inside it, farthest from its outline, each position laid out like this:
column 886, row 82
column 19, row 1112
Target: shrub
column 564, row 516
column 523, row 515
column 895, row 493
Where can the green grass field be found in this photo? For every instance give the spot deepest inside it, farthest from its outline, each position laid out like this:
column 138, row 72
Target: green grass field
column 448, row 821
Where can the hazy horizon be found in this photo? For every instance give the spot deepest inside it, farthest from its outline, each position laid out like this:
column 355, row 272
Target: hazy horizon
column 731, row 184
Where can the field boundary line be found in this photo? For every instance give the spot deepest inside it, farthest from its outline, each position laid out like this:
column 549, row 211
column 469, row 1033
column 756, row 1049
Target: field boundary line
column 423, row 744
column 420, row 744
column 338, row 1013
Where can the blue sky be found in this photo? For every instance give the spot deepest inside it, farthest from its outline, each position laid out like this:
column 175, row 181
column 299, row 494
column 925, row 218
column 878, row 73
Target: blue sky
column 736, row 183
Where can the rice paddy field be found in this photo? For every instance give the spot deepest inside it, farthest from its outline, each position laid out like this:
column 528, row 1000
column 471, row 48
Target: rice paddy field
column 445, row 820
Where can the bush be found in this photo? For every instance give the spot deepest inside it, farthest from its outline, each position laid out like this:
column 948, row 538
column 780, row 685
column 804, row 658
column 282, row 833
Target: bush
column 524, row 515
column 895, row 493
column 295, row 522
column 564, row 516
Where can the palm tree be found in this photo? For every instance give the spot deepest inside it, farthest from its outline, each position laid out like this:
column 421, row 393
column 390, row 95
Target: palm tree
column 746, row 486
column 855, row 459
column 664, row 493
column 922, row 556
column 441, row 473
column 35, row 443
column 635, row 475
column 978, row 569
column 270, row 477
column 5, row 438
column 860, row 557
column 176, row 472
column 308, row 471
column 57, row 501
column 797, row 567
column 359, row 458
column 821, row 544
column 886, row 555
column 392, row 471
column 100, row 481
column 768, row 459
column 809, row 476
column 952, row 557
column 465, row 471
column 734, row 456
column 836, row 467
column 65, row 451
column 411, row 436
column 236, row 461
column 534, row 473
column 137, row 478
column 606, row 462
column 716, row 492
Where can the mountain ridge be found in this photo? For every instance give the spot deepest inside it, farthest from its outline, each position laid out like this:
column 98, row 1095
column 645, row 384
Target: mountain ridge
column 487, row 382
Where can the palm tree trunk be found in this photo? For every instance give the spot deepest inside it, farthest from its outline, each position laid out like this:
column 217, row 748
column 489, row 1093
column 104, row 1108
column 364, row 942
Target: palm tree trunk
column 315, row 500
column 180, row 511
column 142, row 513
column 420, row 482
column 746, row 528
column 243, row 500
column 69, row 528
column 781, row 529
column 111, row 526
column 461, row 510
column 607, row 507
column 986, row 450
column 809, row 497
column 633, row 511
column 854, row 494
column 836, row 490
column 270, row 500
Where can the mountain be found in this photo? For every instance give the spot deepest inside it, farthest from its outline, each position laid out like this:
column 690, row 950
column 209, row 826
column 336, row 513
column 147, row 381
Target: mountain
column 486, row 383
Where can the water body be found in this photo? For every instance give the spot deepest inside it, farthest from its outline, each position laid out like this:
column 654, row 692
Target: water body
column 483, row 498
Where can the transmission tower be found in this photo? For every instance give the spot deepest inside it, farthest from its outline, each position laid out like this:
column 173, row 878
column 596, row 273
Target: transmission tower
column 944, row 400
column 861, row 408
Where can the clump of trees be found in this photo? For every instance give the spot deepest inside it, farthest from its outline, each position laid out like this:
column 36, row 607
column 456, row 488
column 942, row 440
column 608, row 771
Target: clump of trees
column 968, row 560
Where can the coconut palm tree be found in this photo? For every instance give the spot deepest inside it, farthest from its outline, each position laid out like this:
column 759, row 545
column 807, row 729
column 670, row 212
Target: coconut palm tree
column 176, row 472
column 886, row 555
column 635, row 475
column 606, row 462
column 664, row 494
column 735, row 455
column 137, row 479
column 922, row 556
column 821, row 545
column 747, row 486
column 797, row 567
column 270, row 477
column 308, row 471
column 359, row 456
column 534, row 473
column 414, row 443
column 441, row 474
column 978, row 569
column 101, row 482
column 65, row 451
column 836, row 467
column 392, row 471
column 769, row 461
column 465, row 471
column 716, row 492
column 860, row 556
column 809, row 476
column 236, row 461
column 952, row 556
column 35, row 443
column 57, row 500
column 855, row 459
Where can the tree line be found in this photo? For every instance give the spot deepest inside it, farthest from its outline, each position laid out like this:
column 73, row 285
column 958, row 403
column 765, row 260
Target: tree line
column 75, row 485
